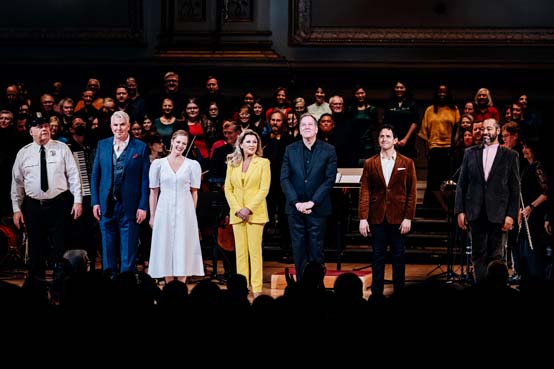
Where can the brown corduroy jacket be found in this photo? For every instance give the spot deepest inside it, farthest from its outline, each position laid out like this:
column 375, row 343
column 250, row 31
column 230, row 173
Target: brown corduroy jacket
column 397, row 201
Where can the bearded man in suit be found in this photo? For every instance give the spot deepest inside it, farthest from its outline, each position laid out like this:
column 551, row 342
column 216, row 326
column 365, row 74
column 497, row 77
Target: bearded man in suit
column 487, row 197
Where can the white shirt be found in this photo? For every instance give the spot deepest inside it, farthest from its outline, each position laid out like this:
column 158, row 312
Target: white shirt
column 63, row 173
column 122, row 146
column 489, row 153
column 387, row 165
column 318, row 110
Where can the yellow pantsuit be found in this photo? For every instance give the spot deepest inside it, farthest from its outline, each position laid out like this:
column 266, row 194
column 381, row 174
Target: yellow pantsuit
column 249, row 190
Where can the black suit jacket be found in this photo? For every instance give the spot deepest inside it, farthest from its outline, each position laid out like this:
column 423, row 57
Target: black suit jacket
column 499, row 195
column 316, row 184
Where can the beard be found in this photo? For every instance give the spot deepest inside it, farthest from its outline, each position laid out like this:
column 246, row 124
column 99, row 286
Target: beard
column 489, row 137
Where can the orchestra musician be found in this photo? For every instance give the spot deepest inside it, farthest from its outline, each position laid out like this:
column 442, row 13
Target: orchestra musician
column 84, row 233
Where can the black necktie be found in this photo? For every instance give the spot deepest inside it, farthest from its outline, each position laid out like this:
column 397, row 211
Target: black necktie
column 43, row 173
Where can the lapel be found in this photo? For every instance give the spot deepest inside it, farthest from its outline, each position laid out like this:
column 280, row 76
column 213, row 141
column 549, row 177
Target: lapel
column 130, row 153
column 480, row 161
column 395, row 167
column 379, row 167
column 300, row 154
column 108, row 154
column 251, row 168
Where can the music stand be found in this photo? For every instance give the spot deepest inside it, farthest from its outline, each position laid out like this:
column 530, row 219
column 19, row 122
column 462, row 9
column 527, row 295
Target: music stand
column 446, row 197
column 346, row 178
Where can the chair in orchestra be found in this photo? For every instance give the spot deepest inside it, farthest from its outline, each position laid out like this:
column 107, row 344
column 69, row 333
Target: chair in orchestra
column 11, row 244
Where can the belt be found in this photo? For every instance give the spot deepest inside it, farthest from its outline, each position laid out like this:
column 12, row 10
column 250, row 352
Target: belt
column 45, row 202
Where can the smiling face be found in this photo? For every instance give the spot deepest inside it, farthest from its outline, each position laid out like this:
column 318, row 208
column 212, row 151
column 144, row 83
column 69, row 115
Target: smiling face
column 147, row 124
column 179, row 144
column 386, row 139
column 528, row 153
column 319, row 96
column 510, row 140
column 249, row 145
column 120, row 128
column 308, row 127
column 399, row 90
column 248, row 98
column 136, row 130
column 468, row 108
column 192, row 111
column 465, row 123
column 490, row 132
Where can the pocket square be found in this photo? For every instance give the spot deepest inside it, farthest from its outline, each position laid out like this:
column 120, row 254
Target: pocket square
column 135, row 156
column 401, row 169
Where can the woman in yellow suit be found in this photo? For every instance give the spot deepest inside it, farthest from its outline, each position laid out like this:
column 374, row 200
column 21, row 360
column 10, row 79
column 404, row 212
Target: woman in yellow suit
column 246, row 187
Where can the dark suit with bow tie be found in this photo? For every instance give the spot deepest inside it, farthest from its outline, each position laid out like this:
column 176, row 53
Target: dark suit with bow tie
column 305, row 180
column 385, row 207
column 487, row 203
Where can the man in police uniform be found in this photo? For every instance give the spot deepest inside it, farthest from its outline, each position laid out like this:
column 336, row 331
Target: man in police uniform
column 44, row 177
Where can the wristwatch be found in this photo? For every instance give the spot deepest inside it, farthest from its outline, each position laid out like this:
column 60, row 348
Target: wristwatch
column 531, row 206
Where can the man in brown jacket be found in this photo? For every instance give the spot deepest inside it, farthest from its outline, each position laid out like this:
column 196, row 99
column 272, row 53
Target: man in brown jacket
column 387, row 206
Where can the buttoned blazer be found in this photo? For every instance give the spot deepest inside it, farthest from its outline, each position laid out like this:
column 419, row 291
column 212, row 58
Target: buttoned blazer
column 394, row 202
column 315, row 184
column 499, row 194
column 248, row 193
column 134, row 185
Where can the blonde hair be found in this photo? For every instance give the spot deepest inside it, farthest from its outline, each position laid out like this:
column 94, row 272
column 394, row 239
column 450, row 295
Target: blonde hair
column 179, row 132
column 237, row 156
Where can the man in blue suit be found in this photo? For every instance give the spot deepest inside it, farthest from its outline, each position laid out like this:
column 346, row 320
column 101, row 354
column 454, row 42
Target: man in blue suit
column 120, row 192
column 487, row 197
column 307, row 176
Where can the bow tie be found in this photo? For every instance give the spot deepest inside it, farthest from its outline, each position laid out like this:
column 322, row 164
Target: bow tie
column 274, row 136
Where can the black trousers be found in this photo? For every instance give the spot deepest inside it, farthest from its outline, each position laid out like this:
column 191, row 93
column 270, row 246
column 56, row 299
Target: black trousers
column 306, row 233
column 487, row 241
column 46, row 223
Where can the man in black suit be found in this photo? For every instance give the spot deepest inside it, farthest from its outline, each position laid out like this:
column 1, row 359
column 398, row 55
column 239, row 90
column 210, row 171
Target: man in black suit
column 307, row 175
column 487, row 196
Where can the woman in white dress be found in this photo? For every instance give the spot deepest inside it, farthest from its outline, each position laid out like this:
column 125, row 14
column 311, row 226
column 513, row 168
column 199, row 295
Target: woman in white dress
column 174, row 184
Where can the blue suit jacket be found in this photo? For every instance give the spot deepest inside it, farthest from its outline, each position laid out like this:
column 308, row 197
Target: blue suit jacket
column 316, row 184
column 134, row 186
column 499, row 194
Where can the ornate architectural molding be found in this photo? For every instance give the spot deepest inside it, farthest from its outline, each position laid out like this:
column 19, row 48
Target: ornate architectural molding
column 302, row 33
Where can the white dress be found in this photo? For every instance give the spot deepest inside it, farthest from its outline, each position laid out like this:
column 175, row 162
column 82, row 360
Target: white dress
column 175, row 241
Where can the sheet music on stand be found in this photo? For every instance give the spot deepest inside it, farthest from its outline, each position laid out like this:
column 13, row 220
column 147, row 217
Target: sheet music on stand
column 348, row 177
